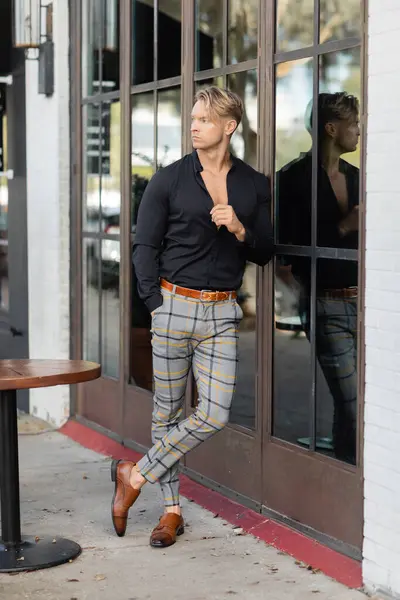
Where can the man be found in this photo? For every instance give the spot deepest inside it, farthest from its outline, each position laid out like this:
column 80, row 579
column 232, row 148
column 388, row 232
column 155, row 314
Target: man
column 199, row 221
column 337, row 227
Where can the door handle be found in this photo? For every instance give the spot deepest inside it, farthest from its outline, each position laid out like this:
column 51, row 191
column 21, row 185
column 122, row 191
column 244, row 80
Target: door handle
column 15, row 332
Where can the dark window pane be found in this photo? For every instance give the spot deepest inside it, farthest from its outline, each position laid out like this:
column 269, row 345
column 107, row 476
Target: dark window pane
column 242, row 30
column 339, row 20
column 243, row 403
column 141, row 366
column 292, row 350
column 339, row 151
column 110, row 195
column 294, row 24
column 143, row 154
column 110, row 261
column 110, row 36
column 169, row 38
column 209, row 34
column 244, row 140
column 4, row 289
column 169, row 137
column 100, row 46
column 218, row 81
column 336, row 353
column 3, row 129
column 92, row 167
column 244, row 145
column 142, row 41
column 143, row 162
column 91, row 299
column 292, row 159
column 91, row 35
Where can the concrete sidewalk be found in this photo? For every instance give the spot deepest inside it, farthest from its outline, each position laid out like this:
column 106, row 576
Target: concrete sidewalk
column 66, row 490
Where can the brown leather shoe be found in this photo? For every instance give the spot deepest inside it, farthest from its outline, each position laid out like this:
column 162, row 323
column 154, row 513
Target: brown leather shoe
column 170, row 526
column 124, row 494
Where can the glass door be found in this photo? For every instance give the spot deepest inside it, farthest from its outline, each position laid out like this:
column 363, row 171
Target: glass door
column 312, row 459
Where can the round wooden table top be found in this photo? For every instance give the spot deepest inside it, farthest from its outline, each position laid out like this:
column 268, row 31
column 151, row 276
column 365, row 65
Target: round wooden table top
column 23, row 374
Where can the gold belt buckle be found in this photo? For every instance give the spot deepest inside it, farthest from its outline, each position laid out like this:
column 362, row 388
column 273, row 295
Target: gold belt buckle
column 206, row 296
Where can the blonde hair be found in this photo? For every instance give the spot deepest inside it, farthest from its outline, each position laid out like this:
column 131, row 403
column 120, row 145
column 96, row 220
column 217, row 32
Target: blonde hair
column 221, row 103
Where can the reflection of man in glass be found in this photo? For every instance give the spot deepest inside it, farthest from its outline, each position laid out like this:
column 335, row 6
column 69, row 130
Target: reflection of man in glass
column 337, row 226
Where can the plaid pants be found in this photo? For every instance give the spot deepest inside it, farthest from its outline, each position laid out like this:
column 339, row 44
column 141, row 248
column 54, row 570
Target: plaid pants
column 336, row 337
column 189, row 333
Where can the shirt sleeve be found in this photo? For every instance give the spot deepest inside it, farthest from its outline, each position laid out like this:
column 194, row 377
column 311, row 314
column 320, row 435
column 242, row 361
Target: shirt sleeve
column 259, row 239
column 151, row 227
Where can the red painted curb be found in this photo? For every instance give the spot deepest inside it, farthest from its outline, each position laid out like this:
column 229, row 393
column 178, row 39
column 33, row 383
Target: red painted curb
column 283, row 538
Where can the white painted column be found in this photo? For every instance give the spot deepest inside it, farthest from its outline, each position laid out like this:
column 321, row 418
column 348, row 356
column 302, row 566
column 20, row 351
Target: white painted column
column 381, row 564
column 48, row 188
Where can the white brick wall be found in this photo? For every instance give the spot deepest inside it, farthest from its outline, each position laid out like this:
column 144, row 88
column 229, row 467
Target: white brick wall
column 381, row 564
column 48, row 218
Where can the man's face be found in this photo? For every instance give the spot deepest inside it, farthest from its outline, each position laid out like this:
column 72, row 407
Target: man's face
column 346, row 134
column 207, row 133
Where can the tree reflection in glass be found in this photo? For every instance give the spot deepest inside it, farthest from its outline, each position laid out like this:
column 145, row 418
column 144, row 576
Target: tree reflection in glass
column 339, row 19
column 242, row 30
column 209, row 34
column 294, row 24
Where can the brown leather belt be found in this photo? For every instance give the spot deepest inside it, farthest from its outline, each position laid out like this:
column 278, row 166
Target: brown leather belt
column 351, row 292
column 204, row 295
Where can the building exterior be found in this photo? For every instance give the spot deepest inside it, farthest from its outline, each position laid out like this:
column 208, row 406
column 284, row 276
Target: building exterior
column 315, row 425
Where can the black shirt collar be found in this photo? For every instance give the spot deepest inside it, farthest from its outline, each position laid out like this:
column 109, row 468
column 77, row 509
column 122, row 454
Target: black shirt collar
column 198, row 166
column 344, row 166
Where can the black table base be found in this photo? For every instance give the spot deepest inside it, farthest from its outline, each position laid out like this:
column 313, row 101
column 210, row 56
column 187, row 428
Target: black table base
column 16, row 553
column 37, row 553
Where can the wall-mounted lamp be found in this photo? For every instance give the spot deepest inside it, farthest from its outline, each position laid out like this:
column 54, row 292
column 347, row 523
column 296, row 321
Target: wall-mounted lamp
column 33, row 31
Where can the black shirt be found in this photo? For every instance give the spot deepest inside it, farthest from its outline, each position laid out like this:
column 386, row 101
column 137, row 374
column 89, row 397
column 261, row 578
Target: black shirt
column 176, row 239
column 294, row 183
